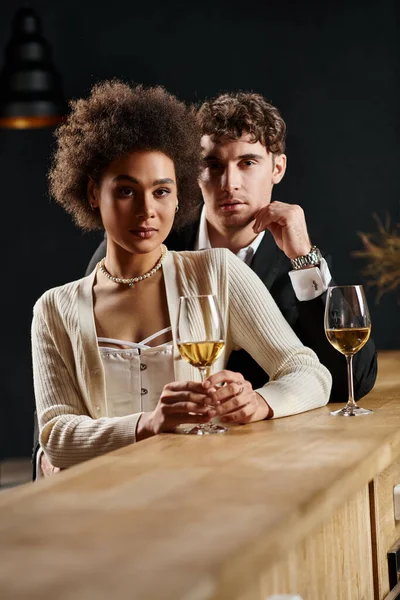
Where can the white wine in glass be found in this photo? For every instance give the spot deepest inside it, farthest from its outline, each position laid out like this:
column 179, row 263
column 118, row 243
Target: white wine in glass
column 200, row 339
column 348, row 327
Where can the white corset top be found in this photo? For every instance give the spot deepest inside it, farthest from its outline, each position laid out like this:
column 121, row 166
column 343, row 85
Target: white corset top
column 135, row 376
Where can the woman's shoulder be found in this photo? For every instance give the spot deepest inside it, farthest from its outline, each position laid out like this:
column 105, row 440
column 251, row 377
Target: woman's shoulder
column 206, row 256
column 57, row 297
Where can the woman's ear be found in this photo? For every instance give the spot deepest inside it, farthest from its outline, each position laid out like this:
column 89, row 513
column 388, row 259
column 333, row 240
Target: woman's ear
column 92, row 194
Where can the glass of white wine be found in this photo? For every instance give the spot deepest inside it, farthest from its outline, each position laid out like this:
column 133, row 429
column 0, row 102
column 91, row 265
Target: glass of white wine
column 348, row 327
column 200, row 339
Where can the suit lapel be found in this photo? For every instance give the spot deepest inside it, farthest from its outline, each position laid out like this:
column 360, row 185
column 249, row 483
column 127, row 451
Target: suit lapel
column 267, row 260
column 185, row 238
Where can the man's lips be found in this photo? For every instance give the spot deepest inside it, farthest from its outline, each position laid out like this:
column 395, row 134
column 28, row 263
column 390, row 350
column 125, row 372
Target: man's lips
column 230, row 205
column 230, row 201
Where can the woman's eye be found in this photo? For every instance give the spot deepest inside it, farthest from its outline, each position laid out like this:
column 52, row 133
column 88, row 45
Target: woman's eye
column 162, row 192
column 125, row 191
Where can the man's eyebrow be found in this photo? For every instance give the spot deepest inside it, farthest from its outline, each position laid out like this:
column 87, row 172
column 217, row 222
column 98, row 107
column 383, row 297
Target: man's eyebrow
column 134, row 180
column 250, row 155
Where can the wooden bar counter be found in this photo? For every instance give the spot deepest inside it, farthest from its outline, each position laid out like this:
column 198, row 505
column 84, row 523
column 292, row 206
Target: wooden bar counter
column 303, row 504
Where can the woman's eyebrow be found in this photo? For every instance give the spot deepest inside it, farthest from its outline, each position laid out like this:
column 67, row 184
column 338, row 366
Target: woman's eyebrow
column 132, row 179
column 165, row 180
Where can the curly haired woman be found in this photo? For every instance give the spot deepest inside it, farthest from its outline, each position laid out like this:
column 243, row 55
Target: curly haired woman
column 128, row 160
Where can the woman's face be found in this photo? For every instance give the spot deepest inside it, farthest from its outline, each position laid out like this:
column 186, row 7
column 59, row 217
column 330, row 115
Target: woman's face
column 137, row 198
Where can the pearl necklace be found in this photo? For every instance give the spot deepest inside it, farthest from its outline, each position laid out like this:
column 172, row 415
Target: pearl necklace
column 131, row 282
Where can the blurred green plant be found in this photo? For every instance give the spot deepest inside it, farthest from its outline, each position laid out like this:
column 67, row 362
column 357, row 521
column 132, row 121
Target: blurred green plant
column 382, row 253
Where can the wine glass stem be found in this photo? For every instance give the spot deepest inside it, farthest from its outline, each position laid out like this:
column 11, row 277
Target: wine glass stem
column 203, row 374
column 349, row 360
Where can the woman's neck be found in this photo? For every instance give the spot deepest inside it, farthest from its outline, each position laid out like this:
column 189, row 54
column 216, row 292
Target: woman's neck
column 120, row 263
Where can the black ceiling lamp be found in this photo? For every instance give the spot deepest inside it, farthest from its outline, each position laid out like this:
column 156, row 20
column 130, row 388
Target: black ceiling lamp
column 30, row 87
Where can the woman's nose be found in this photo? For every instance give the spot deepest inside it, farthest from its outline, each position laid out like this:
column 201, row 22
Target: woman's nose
column 145, row 208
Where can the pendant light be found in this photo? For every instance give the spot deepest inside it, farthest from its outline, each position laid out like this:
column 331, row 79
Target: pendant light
column 30, row 87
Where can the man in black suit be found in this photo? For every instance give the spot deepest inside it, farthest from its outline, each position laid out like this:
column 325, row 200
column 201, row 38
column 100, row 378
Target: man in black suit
column 244, row 144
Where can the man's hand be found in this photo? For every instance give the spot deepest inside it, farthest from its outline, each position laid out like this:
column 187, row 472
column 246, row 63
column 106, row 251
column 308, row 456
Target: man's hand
column 236, row 401
column 46, row 467
column 180, row 402
column 287, row 224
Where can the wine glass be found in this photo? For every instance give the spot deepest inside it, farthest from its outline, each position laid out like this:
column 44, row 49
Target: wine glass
column 200, row 339
column 348, row 327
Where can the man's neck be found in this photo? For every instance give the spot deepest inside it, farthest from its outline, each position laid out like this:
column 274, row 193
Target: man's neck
column 233, row 239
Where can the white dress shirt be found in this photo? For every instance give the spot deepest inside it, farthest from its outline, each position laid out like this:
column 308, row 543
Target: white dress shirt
column 307, row 283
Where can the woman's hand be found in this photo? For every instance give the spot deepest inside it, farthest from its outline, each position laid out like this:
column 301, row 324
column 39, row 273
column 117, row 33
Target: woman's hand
column 235, row 401
column 180, row 402
column 46, row 468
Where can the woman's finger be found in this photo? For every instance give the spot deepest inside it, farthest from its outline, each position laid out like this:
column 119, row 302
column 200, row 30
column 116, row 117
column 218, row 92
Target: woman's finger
column 181, row 418
column 231, row 405
column 172, row 397
column 186, row 407
column 226, row 393
column 185, row 386
column 223, row 376
column 242, row 415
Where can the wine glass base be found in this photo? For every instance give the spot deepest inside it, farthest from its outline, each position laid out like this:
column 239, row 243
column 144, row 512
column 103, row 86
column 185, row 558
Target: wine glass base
column 207, row 429
column 352, row 411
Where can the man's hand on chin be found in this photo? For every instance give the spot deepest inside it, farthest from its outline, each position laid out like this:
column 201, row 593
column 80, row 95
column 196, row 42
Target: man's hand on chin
column 288, row 226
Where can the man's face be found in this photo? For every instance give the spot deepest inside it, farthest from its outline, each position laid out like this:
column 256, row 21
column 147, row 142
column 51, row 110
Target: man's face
column 237, row 180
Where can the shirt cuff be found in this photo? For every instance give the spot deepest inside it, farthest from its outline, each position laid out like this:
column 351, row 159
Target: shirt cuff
column 312, row 282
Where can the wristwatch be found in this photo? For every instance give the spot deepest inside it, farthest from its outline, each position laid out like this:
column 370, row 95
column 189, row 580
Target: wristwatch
column 312, row 259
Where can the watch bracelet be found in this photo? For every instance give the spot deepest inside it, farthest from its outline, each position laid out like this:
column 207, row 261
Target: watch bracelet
column 312, row 258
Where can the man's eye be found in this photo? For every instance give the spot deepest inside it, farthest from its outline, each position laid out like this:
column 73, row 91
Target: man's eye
column 162, row 192
column 248, row 163
column 213, row 165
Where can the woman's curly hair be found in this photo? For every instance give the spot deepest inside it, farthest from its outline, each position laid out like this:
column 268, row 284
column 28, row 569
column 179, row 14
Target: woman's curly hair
column 234, row 114
column 114, row 120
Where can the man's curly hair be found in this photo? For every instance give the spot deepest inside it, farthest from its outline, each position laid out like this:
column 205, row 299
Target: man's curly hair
column 114, row 120
column 234, row 114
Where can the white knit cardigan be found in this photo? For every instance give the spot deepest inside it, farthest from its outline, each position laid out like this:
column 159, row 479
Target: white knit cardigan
column 69, row 377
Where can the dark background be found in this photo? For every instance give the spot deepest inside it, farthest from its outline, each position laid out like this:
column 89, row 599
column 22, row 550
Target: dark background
column 331, row 67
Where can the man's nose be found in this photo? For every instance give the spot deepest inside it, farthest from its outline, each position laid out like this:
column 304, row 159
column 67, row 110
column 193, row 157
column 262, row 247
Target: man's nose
column 230, row 180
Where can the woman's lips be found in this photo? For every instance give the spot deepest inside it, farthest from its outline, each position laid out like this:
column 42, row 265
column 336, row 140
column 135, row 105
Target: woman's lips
column 143, row 234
